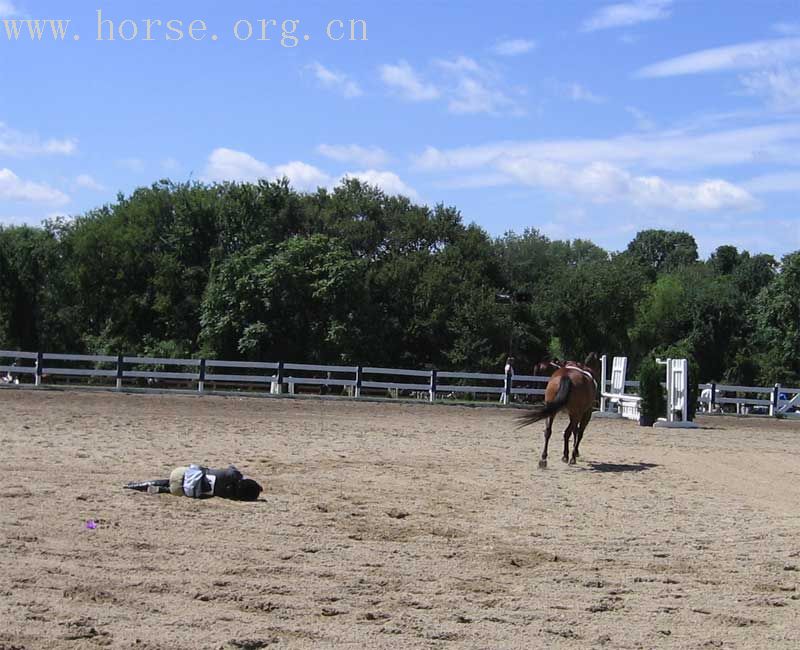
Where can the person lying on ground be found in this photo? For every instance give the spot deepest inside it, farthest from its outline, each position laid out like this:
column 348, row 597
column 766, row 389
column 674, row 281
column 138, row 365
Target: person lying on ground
column 201, row 482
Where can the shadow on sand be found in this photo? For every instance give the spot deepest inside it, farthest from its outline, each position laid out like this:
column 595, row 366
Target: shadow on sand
column 619, row 467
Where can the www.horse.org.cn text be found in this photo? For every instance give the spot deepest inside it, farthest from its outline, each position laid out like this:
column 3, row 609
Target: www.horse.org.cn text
column 286, row 32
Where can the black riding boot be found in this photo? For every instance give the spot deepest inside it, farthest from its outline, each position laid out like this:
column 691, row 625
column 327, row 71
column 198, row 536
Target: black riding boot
column 141, row 486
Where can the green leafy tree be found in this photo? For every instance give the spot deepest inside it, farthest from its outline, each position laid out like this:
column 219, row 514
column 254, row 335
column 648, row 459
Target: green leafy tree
column 29, row 263
column 777, row 323
column 293, row 302
column 695, row 310
column 663, row 251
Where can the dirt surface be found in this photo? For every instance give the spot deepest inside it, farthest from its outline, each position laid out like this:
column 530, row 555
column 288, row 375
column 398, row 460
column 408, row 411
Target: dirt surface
column 390, row 526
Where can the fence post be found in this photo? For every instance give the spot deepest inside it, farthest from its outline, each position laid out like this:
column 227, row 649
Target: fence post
column 507, row 386
column 775, row 403
column 432, row 391
column 201, row 382
column 277, row 386
column 119, row 371
column 357, row 391
column 713, row 402
column 603, row 387
column 39, row 363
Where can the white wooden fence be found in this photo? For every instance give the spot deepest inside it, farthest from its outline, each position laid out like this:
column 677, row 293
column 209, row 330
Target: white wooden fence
column 275, row 377
column 760, row 400
column 121, row 371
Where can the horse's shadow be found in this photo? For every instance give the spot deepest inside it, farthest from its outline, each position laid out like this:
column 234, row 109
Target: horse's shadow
column 619, row 467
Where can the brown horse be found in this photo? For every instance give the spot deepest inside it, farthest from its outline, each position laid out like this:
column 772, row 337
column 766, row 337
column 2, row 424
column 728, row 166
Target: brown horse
column 547, row 367
column 572, row 387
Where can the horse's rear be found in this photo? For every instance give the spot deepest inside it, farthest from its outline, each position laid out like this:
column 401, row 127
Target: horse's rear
column 572, row 388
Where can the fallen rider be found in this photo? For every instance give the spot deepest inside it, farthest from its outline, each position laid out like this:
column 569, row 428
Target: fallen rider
column 201, row 482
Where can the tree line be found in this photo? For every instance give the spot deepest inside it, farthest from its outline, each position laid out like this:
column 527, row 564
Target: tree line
column 258, row 271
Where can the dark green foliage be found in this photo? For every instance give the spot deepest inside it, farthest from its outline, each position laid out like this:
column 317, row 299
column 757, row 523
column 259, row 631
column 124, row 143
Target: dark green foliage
column 653, row 404
column 776, row 315
column 663, row 251
column 351, row 275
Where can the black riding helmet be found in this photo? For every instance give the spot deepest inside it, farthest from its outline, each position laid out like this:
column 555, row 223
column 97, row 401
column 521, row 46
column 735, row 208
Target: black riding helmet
column 246, row 490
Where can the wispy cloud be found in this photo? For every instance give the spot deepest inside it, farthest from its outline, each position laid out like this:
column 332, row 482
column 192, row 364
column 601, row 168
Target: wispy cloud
column 13, row 188
column 475, row 96
column 578, row 93
column 87, row 182
column 643, row 121
column 675, row 169
column 781, row 87
column 402, row 79
column 336, row 81
column 627, row 14
column 513, row 47
column 743, row 56
column 353, row 153
column 17, row 143
column 8, row 10
column 664, row 150
column 472, row 88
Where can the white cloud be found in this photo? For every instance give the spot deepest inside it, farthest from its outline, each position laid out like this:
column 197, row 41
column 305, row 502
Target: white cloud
column 8, row 10
column 87, row 182
column 473, row 89
column 404, row 80
column 605, row 183
column 781, row 87
column 17, row 143
column 389, row 182
column 303, row 176
column 643, row 122
column 337, row 81
column 673, row 150
column 13, row 188
column 579, row 93
column 743, row 56
column 462, row 65
column 353, row 153
column 622, row 169
column 514, row 47
column 475, row 96
column 231, row 165
column 627, row 14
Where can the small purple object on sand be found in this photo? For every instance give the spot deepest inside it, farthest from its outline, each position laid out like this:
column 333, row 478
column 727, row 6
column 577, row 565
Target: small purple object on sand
column 91, row 524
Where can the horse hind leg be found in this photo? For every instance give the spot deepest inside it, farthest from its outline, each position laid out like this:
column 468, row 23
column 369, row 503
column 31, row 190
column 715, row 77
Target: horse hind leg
column 567, row 432
column 548, row 430
column 579, row 436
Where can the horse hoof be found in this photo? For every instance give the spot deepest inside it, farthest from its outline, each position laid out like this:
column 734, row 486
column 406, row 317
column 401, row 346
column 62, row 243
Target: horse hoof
column 564, row 459
column 542, row 464
column 572, row 461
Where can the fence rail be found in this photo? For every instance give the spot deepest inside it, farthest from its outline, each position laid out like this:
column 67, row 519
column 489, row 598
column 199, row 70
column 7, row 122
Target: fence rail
column 355, row 381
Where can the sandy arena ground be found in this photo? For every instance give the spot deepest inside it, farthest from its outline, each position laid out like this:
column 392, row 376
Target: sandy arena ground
column 390, row 526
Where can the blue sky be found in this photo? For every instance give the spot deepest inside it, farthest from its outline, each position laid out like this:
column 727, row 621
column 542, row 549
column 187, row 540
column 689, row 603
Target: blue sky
column 584, row 120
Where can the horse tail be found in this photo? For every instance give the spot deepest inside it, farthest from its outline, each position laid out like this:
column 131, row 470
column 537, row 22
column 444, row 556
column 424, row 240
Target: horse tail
column 546, row 409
